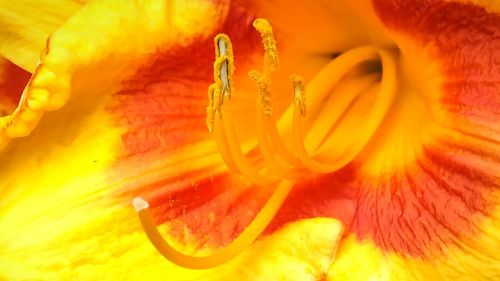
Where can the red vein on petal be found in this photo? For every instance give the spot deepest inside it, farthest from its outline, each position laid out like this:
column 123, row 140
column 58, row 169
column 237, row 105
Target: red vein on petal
column 163, row 105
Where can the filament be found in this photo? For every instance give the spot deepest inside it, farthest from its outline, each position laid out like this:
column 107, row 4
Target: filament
column 242, row 163
column 335, row 71
column 221, row 256
column 334, row 106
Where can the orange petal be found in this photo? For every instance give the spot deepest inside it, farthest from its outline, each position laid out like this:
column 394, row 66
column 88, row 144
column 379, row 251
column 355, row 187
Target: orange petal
column 433, row 214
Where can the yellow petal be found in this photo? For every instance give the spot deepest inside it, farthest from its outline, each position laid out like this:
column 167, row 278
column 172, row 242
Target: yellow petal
column 25, row 26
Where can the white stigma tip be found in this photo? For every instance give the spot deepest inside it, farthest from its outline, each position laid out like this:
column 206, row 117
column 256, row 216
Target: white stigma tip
column 140, row 204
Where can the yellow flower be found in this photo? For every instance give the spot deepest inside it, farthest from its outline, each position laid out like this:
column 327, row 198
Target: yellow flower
column 340, row 140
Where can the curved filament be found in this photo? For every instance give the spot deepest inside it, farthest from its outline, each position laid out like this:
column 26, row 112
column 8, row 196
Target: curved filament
column 236, row 247
column 334, row 72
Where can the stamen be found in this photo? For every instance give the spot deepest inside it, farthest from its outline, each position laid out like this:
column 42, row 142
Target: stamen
column 225, row 134
column 264, row 95
column 280, row 166
column 223, row 76
column 264, row 122
column 299, row 93
column 235, row 248
column 249, row 170
column 316, row 151
column 269, row 43
column 224, row 63
column 267, row 126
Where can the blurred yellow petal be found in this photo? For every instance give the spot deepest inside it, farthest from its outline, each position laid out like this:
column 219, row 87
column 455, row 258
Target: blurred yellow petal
column 25, row 26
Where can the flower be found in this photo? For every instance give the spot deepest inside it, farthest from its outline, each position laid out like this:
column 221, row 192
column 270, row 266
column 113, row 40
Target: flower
column 379, row 155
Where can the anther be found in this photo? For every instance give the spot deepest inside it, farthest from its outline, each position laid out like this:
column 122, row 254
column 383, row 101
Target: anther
column 224, row 63
column 214, row 105
column 299, row 93
column 223, row 76
column 269, row 42
column 264, row 95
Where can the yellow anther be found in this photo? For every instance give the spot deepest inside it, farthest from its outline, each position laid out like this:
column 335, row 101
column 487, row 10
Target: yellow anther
column 299, row 93
column 223, row 77
column 269, row 43
column 215, row 101
column 264, row 94
column 224, row 64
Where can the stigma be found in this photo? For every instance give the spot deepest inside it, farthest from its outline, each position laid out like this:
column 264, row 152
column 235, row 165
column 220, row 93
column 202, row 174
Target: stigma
column 296, row 143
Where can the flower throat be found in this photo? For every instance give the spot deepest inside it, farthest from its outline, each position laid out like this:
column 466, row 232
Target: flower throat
column 312, row 149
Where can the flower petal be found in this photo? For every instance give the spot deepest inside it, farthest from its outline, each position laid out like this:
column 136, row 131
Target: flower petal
column 134, row 129
column 437, row 215
column 25, row 26
column 324, row 27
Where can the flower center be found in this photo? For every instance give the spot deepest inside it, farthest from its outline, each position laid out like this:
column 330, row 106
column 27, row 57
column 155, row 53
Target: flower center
column 311, row 126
